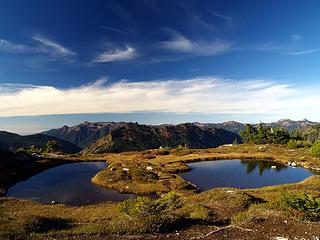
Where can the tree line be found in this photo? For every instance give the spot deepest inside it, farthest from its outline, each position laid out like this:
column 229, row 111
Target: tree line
column 263, row 135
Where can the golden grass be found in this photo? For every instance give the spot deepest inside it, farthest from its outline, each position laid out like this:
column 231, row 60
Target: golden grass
column 168, row 166
column 215, row 205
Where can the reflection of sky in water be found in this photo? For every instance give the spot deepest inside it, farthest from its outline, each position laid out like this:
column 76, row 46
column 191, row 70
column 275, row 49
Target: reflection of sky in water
column 69, row 184
column 242, row 174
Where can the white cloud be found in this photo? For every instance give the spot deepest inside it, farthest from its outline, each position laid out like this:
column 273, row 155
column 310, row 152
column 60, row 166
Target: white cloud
column 113, row 30
column 52, row 47
column 8, row 46
column 204, row 95
column 296, row 37
column 41, row 46
column 297, row 53
column 181, row 43
column 116, row 55
column 178, row 43
column 221, row 16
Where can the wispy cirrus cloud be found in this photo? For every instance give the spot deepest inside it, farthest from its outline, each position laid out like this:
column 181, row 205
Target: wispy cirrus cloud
column 296, row 37
column 303, row 52
column 53, row 47
column 10, row 47
column 203, row 95
column 112, row 29
column 181, row 43
column 221, row 16
column 116, row 55
column 42, row 45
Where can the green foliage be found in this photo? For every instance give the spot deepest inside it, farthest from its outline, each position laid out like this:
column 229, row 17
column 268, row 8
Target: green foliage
column 199, row 212
column 306, row 204
column 248, row 134
column 296, row 135
column 264, row 135
column 293, row 144
column 30, row 150
column 311, row 134
column 315, row 150
column 49, row 147
column 153, row 215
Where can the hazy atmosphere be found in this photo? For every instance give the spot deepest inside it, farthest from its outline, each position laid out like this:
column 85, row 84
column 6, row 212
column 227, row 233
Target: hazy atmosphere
column 157, row 62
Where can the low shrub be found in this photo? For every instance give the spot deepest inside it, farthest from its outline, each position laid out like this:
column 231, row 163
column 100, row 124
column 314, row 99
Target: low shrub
column 262, row 148
column 307, row 205
column 152, row 215
column 315, row 150
column 199, row 212
column 293, row 144
column 163, row 152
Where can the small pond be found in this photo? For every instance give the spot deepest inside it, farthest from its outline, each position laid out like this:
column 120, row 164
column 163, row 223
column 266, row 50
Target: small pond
column 242, row 174
column 69, row 184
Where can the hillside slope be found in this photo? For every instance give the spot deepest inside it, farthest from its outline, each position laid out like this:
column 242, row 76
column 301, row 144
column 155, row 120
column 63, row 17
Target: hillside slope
column 85, row 133
column 135, row 137
column 237, row 127
column 12, row 142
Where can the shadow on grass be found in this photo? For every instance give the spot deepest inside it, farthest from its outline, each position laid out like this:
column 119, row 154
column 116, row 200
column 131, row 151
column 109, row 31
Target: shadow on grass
column 38, row 224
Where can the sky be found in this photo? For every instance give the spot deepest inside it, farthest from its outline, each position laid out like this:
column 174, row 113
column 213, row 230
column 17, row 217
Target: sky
column 65, row 62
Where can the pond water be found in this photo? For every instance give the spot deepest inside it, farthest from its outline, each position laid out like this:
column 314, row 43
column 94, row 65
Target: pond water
column 69, row 184
column 242, row 174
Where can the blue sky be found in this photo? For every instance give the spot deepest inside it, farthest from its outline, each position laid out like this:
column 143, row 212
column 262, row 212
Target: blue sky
column 64, row 62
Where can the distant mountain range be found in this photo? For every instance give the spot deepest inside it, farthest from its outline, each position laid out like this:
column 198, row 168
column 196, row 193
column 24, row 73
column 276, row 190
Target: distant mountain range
column 84, row 134
column 96, row 137
column 135, row 137
column 12, row 142
column 237, row 127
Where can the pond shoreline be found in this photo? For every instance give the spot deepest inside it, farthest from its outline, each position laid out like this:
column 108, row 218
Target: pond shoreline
column 168, row 167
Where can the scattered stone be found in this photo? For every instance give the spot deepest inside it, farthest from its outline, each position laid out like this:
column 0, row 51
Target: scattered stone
column 273, row 167
column 53, row 202
column 125, row 169
column 229, row 191
column 149, row 168
column 292, row 164
column 280, row 238
column 262, row 148
column 227, row 145
column 127, row 187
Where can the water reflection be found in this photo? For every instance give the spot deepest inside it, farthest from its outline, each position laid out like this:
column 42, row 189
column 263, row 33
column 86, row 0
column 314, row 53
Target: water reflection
column 251, row 165
column 242, row 174
column 69, row 184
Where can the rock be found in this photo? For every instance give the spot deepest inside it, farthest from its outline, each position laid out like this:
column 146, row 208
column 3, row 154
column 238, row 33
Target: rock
column 280, row 238
column 125, row 169
column 149, row 168
column 273, row 167
column 262, row 148
column 53, row 202
column 293, row 164
column 227, row 145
